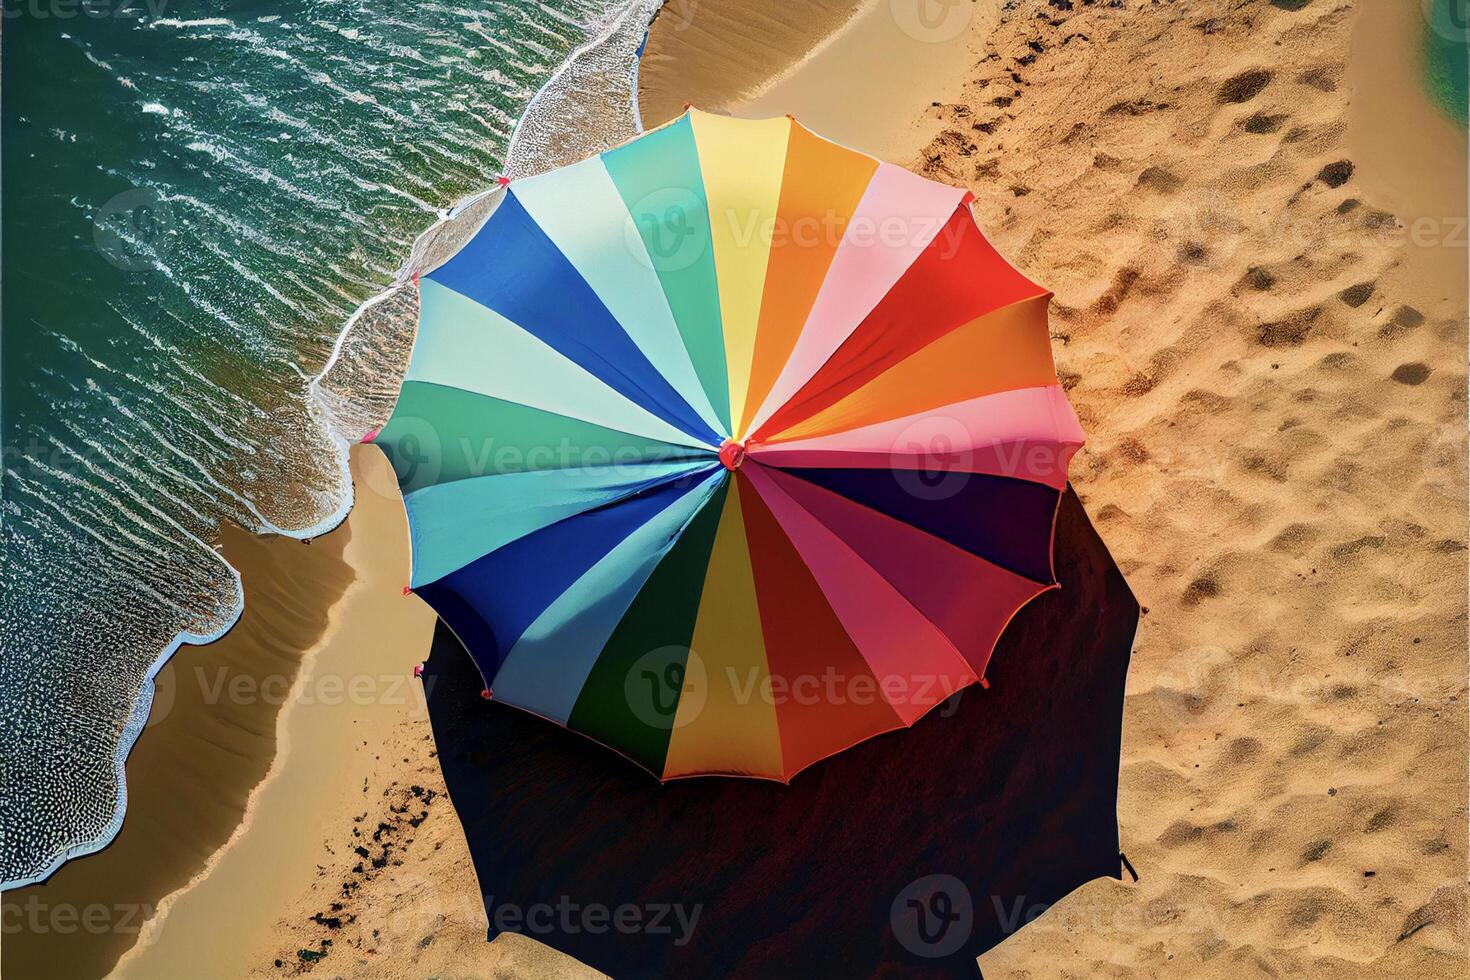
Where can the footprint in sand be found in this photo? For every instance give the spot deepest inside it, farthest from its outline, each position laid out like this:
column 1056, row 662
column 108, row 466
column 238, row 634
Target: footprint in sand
column 1410, row 374
column 1261, row 123
column 1244, row 87
column 1355, row 296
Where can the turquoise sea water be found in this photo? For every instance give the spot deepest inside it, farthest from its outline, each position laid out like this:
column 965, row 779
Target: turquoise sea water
column 1447, row 55
column 196, row 197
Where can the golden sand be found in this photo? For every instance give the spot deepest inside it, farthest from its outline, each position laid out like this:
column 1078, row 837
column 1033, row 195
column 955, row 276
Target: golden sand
column 1271, row 371
column 865, row 84
column 353, row 693
column 711, row 55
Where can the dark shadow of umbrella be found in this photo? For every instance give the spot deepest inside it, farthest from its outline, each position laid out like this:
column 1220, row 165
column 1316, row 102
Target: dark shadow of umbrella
column 905, row 856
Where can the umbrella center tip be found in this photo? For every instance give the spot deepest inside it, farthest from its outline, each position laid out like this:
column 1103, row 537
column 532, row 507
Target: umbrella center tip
column 732, row 454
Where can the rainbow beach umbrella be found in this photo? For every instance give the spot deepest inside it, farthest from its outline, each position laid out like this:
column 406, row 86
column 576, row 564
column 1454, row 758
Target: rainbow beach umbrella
column 730, row 447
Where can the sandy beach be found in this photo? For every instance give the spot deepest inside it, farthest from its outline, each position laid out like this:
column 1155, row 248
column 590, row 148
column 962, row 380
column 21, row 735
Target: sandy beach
column 345, row 720
column 1252, row 218
column 350, row 849
column 1260, row 317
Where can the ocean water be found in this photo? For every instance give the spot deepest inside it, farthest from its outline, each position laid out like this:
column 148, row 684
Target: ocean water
column 198, row 198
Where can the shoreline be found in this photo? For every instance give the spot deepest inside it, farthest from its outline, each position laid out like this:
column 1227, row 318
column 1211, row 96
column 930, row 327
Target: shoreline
column 193, row 778
column 133, row 729
column 279, row 758
column 1410, row 152
column 317, row 405
column 351, row 687
column 171, row 939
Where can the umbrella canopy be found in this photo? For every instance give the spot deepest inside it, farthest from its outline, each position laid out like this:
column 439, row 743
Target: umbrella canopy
column 730, row 447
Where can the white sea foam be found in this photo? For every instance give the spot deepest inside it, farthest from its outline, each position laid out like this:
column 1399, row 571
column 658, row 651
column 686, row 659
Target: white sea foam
column 199, row 22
